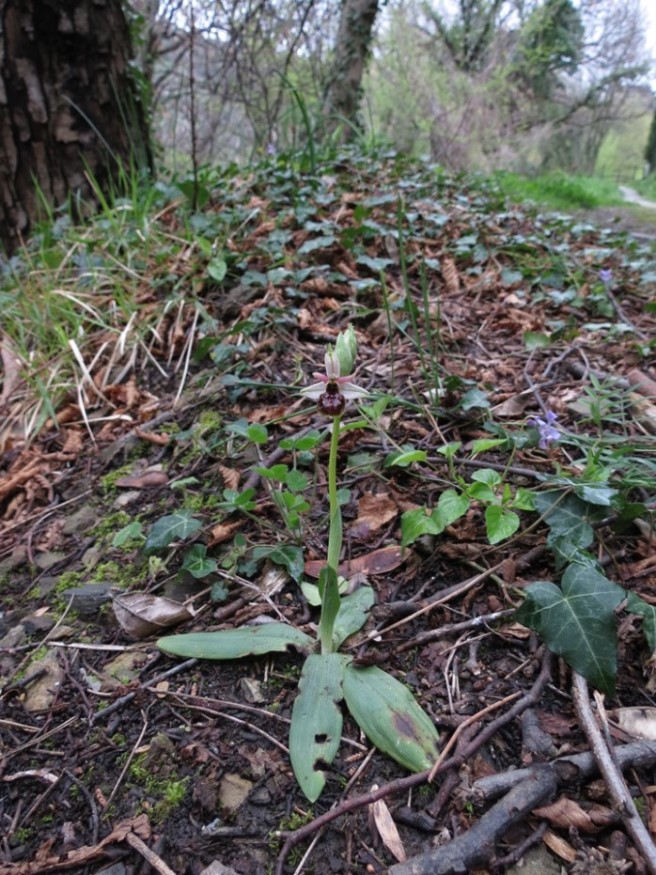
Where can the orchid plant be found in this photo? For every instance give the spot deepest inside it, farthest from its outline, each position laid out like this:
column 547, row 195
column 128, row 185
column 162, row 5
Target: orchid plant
column 382, row 706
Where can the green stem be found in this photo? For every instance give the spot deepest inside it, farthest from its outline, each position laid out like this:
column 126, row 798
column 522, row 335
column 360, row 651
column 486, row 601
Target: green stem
column 335, row 531
column 328, row 581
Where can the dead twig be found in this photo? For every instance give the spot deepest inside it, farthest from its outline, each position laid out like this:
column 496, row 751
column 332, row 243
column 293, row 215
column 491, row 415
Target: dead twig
column 149, row 855
column 446, row 596
column 615, row 783
column 452, row 629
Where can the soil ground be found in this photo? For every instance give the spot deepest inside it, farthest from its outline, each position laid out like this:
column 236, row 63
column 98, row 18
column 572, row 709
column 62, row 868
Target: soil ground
column 118, row 760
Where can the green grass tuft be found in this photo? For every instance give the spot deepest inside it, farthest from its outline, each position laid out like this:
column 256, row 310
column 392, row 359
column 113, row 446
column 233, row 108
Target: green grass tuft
column 560, row 190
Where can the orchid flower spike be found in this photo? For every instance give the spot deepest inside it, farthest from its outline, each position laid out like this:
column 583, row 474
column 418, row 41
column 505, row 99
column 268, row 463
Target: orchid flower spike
column 333, row 390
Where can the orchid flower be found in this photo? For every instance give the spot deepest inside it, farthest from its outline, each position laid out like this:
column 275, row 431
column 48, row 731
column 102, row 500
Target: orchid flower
column 333, row 391
column 546, row 428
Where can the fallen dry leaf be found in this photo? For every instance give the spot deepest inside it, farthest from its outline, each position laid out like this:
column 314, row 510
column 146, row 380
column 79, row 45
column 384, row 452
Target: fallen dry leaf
column 230, row 476
column 143, row 481
column 223, row 532
column 141, row 614
column 45, row 861
column 11, row 365
column 380, row 561
column 513, row 406
column 566, row 813
column 559, row 846
column 160, row 440
column 639, row 722
column 450, row 276
column 386, row 829
column 374, row 511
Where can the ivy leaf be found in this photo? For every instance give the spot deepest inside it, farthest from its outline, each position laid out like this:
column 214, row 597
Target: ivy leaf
column 312, row 245
column 566, row 514
column 600, row 493
column 374, row 264
column 287, row 555
column 577, row 622
column 535, row 340
column 316, row 727
column 197, row 563
column 390, row 717
column 474, row 398
column 174, row 527
column 636, row 605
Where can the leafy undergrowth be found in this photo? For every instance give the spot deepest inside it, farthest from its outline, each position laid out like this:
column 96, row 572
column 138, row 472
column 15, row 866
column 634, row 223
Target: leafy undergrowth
column 498, row 480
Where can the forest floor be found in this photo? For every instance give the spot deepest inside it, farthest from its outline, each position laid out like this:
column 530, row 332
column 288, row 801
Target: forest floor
column 178, row 485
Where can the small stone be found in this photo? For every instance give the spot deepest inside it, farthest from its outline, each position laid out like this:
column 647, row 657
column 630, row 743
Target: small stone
column 92, row 556
column 14, row 637
column 216, row 868
column 81, row 521
column 537, row 861
column 87, row 600
column 233, row 792
column 38, row 623
column 123, row 669
column 41, row 693
column 16, row 558
column 260, row 796
column 48, row 559
column 126, row 498
column 251, row 690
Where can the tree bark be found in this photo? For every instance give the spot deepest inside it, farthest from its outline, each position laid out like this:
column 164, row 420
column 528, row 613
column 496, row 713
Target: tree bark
column 69, row 108
column 353, row 44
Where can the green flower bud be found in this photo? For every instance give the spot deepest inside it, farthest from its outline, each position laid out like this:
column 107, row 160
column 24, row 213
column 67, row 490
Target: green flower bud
column 346, row 350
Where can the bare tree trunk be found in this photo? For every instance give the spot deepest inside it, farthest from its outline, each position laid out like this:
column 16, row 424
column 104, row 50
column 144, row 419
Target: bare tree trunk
column 68, row 106
column 352, row 47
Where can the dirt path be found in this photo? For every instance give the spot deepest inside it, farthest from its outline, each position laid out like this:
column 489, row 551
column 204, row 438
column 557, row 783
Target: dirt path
column 636, row 218
column 631, row 196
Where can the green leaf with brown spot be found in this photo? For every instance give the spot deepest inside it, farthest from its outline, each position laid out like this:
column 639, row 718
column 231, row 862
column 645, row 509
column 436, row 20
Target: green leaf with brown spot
column 390, row 717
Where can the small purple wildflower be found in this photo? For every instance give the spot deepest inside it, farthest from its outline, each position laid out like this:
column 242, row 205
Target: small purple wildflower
column 606, row 276
column 546, row 428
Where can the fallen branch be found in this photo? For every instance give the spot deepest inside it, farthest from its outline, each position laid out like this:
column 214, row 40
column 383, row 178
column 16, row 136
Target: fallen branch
column 476, row 847
column 573, row 767
column 530, row 788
